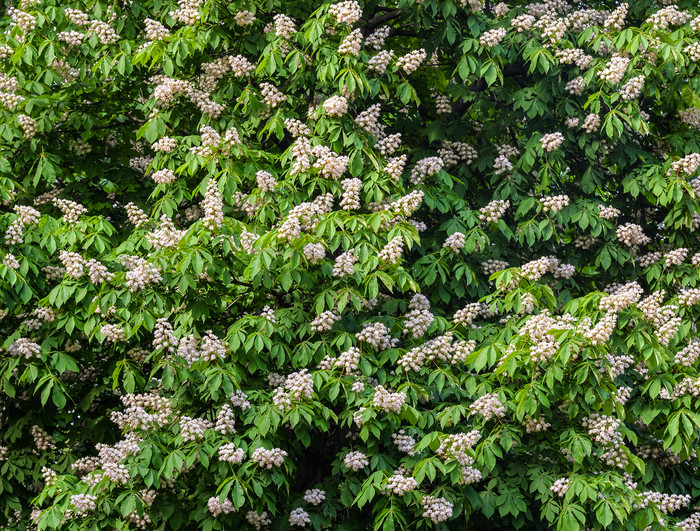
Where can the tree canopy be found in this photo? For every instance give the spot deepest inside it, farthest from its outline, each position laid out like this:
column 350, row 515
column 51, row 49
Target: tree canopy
column 349, row 265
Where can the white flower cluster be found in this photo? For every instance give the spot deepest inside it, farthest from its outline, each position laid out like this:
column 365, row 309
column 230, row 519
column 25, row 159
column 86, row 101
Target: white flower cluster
column 377, row 335
column 492, row 37
column 377, row 37
column 193, row 429
column 164, row 176
column 268, row 458
column 554, row 203
column 25, row 347
column 417, row 322
column 314, row 496
column 615, row 70
column 83, row 504
column 314, row 252
column 616, row 19
column 344, row 263
column 139, row 273
column 666, row 503
column 412, row 60
column 426, row 167
column 26, row 215
column 351, row 194
column 576, row 86
column 591, row 123
column 113, row 333
column 166, row 235
column 608, row 212
column 217, row 507
column 244, row 18
column 213, row 205
column 144, row 411
column 534, row 425
column 336, row 105
column 405, row 443
column 551, row 141
column 155, row 31
column 348, row 11
column 455, row 152
column 668, row 16
column 391, row 252
column 324, row 321
column 258, row 521
column 271, row 95
column 355, row 461
column 689, row 354
column 488, row 406
column 455, row 241
column 299, row 517
column 399, row 483
column 523, row 22
column 492, row 212
column 633, row 88
column 351, row 44
column 229, row 453
column 225, row 422
column 300, row 385
column 687, row 165
column 560, row 487
column 387, row 401
column 632, row 234
column 284, row 26
column 436, row 509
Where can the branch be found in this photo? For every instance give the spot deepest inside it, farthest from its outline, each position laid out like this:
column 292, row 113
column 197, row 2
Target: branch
column 380, row 19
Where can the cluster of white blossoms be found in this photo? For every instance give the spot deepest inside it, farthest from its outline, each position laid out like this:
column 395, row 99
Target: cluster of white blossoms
column 455, row 241
column 560, row 487
column 83, row 504
column 324, row 321
column 676, row 256
column 689, row 354
column 492, row 37
column 331, row 164
column 217, row 507
column 391, row 252
column 299, row 517
column 351, row 194
column 265, row 181
column 344, row 263
column 492, row 212
column 400, row 483
column 213, row 205
column 113, row 333
column 351, row 44
column 284, row 26
column 258, row 521
column 404, row 443
column 412, row 60
column 300, row 385
column 305, row 217
column 687, row 165
column 26, row 216
column 666, row 503
column 145, row 411
column 314, row 252
column 534, row 425
column 268, row 458
column 379, row 62
column 271, row 95
column 591, row 123
column 633, row 88
column 377, row 37
column 523, row 23
column 164, row 176
column 10, row 261
column 668, row 16
column 426, row 167
column 488, row 406
column 554, row 203
column 436, row 509
column 417, row 322
column 28, row 125
column 615, row 70
column 154, row 30
column 229, row 453
column 608, row 212
column 140, row 273
column 24, row 347
column 355, row 461
column 632, row 234
column 551, row 141
column 336, row 106
column 387, row 401
column 314, row 496
column 347, row 12
column 193, row 429
column 377, row 335
column 576, row 86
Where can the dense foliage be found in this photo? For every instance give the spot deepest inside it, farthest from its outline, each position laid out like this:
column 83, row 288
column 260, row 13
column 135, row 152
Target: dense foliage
column 392, row 264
